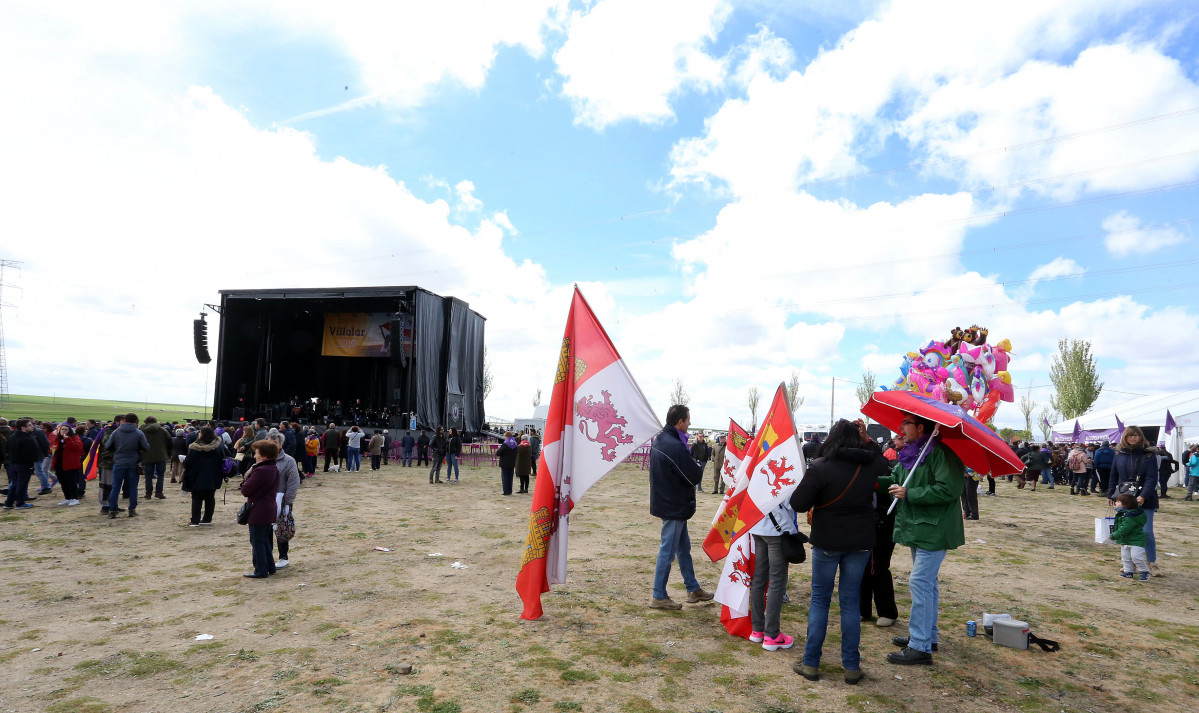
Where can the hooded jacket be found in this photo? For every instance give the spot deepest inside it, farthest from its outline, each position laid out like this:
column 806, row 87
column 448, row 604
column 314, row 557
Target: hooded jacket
column 160, row 443
column 930, row 517
column 127, row 445
column 1130, row 527
column 203, row 469
column 844, row 517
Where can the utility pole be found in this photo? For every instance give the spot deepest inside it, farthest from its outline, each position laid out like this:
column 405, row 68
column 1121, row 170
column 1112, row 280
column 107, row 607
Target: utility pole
column 832, row 402
column 3, row 362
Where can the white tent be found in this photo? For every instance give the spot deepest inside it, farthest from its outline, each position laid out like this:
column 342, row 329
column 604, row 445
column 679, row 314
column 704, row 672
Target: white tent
column 1148, row 411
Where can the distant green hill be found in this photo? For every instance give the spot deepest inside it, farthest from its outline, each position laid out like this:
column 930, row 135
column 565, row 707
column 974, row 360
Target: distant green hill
column 57, row 408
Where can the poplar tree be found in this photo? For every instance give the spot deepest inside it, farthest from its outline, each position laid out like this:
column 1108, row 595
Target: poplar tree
column 1075, row 378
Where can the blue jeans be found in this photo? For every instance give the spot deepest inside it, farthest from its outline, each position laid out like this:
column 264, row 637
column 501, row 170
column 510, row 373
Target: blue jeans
column 1150, row 538
column 18, row 485
column 158, row 469
column 926, row 598
column 39, row 467
column 824, row 568
column 675, row 543
column 353, row 458
column 451, row 466
column 1047, row 477
column 407, row 458
column 126, row 472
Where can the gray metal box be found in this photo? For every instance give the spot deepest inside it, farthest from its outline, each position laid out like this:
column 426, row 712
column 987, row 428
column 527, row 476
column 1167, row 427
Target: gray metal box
column 1011, row 632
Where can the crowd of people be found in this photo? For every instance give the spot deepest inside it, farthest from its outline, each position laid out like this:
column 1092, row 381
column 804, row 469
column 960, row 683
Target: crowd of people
column 847, row 492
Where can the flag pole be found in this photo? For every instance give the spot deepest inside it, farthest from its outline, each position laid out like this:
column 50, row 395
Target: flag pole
column 919, row 460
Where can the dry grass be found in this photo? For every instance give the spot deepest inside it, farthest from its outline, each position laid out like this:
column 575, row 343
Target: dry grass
column 113, row 607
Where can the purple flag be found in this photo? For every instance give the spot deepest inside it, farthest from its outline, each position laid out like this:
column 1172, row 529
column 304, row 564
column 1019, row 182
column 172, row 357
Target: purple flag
column 1170, row 425
column 1119, row 423
column 1046, row 422
column 1077, row 435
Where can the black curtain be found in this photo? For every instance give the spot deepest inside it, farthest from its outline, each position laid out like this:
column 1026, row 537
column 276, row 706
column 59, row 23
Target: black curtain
column 428, row 328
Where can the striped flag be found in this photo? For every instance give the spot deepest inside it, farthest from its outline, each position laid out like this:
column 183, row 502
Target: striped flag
column 91, row 462
column 598, row 416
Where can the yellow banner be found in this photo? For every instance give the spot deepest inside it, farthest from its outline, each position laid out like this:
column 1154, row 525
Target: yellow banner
column 357, row 334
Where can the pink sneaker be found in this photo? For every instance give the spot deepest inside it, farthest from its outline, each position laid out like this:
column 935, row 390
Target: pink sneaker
column 756, row 636
column 782, row 641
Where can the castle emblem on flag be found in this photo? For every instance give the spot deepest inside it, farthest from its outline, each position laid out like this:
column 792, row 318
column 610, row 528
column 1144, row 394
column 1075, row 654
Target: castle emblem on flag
column 609, row 433
column 729, row 524
column 563, row 361
column 539, row 534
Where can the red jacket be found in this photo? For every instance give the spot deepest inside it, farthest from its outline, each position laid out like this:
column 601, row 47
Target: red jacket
column 68, row 455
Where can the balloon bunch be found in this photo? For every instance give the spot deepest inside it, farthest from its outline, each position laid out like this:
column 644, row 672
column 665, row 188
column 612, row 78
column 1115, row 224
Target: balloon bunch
column 963, row 370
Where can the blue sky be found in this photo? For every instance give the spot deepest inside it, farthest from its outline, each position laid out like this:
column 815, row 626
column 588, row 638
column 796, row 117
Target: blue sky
column 742, row 189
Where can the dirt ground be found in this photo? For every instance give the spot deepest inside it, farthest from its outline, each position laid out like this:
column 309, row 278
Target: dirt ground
column 102, row 615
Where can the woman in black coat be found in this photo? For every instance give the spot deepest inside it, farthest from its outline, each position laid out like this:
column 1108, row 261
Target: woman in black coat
column 203, row 474
column 507, row 460
column 1135, row 465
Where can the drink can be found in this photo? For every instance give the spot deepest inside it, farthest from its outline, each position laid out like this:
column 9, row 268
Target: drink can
column 971, row 628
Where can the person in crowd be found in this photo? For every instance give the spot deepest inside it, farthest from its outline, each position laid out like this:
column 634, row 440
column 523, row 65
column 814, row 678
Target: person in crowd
column 928, row 520
column 535, row 444
column 105, row 462
column 1135, row 468
column 260, row 429
column 1077, row 462
column 407, row 444
column 47, row 436
column 154, row 461
column 701, row 453
column 1192, row 472
column 1092, row 474
column 312, row 448
column 422, row 448
column 127, row 444
column 506, row 455
column 285, row 498
column 178, row 453
column 453, row 454
column 244, row 448
column 810, row 447
column 1166, row 467
column 718, row 463
column 354, row 438
column 1040, row 465
column 289, row 440
column 970, row 495
column 524, row 463
column 259, row 487
column 1104, row 455
column 770, row 571
column 1129, row 533
column 892, row 452
column 878, row 584
column 67, row 464
column 438, row 446
column 673, row 475
column 203, row 474
column 332, row 443
column 376, row 448
column 386, row 445
column 839, row 490
column 23, row 451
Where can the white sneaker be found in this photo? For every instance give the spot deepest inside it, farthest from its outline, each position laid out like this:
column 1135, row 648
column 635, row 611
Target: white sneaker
column 884, row 621
column 280, row 564
column 72, row 502
column 65, row 502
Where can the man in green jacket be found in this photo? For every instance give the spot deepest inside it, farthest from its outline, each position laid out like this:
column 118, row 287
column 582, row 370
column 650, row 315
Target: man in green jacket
column 154, row 461
column 928, row 520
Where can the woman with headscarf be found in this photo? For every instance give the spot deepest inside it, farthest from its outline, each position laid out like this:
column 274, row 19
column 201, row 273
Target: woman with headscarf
column 1134, row 470
column 524, row 463
column 839, row 489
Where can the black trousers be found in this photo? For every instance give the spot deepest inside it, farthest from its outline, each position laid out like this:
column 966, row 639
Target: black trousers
column 422, row 455
column 1103, row 473
column 970, row 498
column 375, row 461
column 524, row 483
column 69, row 480
column 991, row 484
column 260, row 549
column 207, row 498
column 878, row 586
column 330, row 455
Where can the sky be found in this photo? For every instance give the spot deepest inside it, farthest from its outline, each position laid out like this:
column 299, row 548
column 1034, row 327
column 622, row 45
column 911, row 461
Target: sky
column 742, row 190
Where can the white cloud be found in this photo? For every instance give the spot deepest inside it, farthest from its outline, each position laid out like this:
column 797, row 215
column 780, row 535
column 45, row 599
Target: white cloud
column 1125, row 236
column 626, row 59
column 466, row 199
column 1058, row 267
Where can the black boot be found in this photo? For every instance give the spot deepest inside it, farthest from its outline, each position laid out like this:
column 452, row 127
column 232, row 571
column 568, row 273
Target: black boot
column 908, row 656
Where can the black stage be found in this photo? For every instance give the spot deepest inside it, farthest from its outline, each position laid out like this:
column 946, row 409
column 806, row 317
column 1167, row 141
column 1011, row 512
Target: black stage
column 417, row 355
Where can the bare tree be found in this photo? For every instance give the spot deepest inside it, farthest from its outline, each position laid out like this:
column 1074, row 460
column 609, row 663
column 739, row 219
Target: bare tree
column 679, row 395
column 1027, row 406
column 753, row 397
column 537, row 398
column 488, row 377
column 794, row 400
column 1044, row 424
column 865, row 390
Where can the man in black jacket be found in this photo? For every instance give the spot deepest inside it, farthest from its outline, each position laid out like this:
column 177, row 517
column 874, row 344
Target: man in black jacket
column 701, row 452
column 673, row 475
column 422, row 449
column 23, row 452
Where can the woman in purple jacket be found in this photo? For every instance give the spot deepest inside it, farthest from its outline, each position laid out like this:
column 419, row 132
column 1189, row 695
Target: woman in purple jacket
column 259, row 487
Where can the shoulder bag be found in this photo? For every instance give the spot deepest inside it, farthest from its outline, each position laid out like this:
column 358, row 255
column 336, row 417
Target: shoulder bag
column 793, row 543
column 843, row 492
column 1133, row 487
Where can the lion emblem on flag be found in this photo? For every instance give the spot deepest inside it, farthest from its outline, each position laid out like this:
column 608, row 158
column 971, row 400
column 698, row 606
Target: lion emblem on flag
column 608, row 424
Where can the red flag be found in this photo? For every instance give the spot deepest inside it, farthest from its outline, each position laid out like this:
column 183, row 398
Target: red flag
column 91, row 462
column 772, row 468
column 598, row 416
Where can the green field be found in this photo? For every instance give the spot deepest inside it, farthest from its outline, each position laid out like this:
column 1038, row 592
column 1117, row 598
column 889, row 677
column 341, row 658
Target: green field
column 57, row 408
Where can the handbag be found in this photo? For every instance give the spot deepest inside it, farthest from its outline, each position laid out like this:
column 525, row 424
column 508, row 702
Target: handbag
column 793, row 543
column 243, row 513
column 1133, row 487
column 285, row 527
column 843, row 492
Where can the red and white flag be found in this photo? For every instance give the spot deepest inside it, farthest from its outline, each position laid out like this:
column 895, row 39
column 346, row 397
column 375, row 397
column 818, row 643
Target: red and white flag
column 739, row 567
column 772, row 468
column 735, row 447
column 598, row 416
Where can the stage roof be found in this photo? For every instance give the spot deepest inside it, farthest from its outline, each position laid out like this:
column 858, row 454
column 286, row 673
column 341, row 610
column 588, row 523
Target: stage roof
column 320, row 292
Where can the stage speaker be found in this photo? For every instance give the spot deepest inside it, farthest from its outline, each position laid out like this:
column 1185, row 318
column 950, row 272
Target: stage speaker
column 200, row 338
column 269, row 414
column 239, row 413
column 397, row 343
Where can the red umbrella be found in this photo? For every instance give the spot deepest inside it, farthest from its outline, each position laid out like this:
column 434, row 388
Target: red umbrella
column 978, row 446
